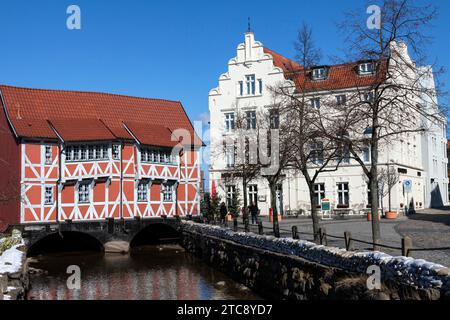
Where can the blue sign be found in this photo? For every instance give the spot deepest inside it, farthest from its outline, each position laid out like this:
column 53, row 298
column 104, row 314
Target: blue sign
column 407, row 186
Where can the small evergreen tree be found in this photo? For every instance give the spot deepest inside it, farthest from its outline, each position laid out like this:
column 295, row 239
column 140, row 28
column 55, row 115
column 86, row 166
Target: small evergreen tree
column 234, row 206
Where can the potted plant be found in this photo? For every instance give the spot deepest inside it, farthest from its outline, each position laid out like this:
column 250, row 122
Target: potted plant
column 369, row 216
column 388, row 178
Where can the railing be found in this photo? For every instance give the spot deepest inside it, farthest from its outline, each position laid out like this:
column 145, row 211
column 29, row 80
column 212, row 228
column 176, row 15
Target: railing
column 406, row 246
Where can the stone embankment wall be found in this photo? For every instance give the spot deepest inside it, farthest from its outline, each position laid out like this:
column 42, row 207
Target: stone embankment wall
column 301, row 270
column 14, row 279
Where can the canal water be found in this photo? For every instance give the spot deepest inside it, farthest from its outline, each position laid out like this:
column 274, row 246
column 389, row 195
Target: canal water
column 164, row 272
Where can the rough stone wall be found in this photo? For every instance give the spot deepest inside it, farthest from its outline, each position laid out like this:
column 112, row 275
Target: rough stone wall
column 299, row 270
column 15, row 284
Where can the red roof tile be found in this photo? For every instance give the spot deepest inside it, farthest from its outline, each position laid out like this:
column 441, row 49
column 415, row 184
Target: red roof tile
column 284, row 63
column 36, row 128
column 151, row 134
column 340, row 76
column 71, row 130
column 36, row 106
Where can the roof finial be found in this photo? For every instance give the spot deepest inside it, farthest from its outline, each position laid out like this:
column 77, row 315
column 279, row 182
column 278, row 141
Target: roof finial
column 249, row 25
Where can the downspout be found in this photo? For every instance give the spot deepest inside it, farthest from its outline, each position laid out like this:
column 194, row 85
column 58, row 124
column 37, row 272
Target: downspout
column 121, row 181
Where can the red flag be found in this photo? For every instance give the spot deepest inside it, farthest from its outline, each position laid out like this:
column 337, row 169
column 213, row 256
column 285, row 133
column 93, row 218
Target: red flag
column 213, row 189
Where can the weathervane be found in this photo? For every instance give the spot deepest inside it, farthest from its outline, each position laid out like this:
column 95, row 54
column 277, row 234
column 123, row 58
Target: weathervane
column 249, row 26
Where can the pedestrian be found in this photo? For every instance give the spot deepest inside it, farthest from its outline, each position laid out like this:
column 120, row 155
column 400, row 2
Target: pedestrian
column 254, row 213
column 223, row 212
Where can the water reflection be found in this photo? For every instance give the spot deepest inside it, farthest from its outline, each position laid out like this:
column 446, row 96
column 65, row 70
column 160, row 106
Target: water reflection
column 151, row 273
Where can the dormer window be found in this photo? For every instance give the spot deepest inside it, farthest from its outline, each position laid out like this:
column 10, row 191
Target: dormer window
column 366, row 68
column 319, row 73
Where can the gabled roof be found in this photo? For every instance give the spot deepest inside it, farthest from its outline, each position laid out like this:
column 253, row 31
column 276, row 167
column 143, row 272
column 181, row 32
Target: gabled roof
column 89, row 116
column 340, row 76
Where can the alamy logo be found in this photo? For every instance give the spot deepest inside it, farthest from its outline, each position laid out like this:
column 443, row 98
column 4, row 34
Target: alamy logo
column 74, row 280
column 374, row 280
column 73, row 22
column 374, row 20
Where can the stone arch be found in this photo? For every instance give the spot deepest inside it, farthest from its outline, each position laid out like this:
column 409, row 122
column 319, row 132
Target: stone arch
column 155, row 233
column 65, row 241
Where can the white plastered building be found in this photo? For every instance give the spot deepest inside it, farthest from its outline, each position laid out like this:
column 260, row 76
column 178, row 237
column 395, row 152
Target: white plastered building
column 419, row 158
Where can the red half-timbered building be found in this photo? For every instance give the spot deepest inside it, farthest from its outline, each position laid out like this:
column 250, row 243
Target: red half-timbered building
column 85, row 156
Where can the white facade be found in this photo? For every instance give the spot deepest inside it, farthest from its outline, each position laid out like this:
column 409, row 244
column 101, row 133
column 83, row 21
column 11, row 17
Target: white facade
column 244, row 87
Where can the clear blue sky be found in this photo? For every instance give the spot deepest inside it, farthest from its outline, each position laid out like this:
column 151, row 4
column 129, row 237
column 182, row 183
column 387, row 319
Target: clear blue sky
column 167, row 49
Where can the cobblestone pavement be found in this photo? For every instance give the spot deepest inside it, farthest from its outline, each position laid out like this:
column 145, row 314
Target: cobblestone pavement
column 428, row 229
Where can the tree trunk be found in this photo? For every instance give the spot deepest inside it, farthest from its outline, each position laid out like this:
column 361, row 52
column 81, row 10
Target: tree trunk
column 244, row 211
column 314, row 214
column 273, row 204
column 389, row 200
column 374, row 186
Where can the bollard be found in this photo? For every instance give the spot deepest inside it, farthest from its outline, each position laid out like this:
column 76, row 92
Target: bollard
column 323, row 236
column 295, row 233
column 276, row 228
column 348, row 240
column 260, row 228
column 235, row 224
column 406, row 246
column 246, row 225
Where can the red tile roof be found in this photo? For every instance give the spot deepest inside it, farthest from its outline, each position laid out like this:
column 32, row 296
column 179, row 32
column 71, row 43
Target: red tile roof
column 151, row 134
column 72, row 130
column 88, row 115
column 284, row 63
column 341, row 76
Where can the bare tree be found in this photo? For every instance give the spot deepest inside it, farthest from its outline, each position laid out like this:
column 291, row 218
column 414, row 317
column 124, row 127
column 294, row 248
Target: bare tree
column 240, row 154
column 313, row 152
column 275, row 152
column 393, row 97
column 387, row 179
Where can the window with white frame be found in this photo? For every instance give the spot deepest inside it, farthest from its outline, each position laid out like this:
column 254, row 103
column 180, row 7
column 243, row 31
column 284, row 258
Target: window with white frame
column 251, row 119
column 253, row 193
column 167, row 192
column 230, row 154
column 260, row 83
column 142, row 191
column 343, row 194
column 366, row 154
column 341, row 100
column 316, row 154
column 241, row 88
column 368, row 96
column 48, row 155
column 366, row 68
column 84, row 192
column 91, row 152
column 229, row 122
column 274, row 119
column 319, row 73
column 319, row 193
column 76, row 153
column 157, row 155
column 48, row 195
column 116, row 151
column 250, row 81
column 315, row 103
column 231, row 194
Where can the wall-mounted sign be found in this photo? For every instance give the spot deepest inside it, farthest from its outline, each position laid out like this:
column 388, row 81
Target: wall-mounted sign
column 407, row 186
column 326, row 204
column 262, row 198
